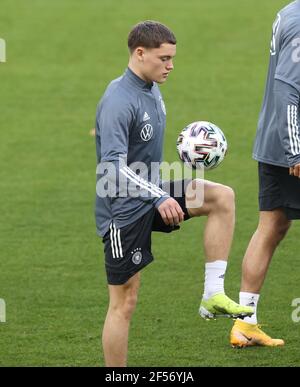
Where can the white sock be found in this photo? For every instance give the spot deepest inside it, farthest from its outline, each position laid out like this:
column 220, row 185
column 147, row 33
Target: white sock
column 250, row 299
column 214, row 278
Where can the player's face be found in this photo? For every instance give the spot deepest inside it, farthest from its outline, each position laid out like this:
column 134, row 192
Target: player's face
column 157, row 63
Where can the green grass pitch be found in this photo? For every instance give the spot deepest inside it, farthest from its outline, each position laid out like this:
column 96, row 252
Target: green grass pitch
column 60, row 56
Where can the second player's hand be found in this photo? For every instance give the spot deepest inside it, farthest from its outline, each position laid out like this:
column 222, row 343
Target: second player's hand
column 295, row 170
column 171, row 212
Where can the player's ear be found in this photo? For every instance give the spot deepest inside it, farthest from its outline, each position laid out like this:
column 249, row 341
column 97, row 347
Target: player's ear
column 140, row 52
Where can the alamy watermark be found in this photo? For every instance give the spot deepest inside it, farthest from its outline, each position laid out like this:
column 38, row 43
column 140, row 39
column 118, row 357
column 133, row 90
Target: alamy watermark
column 117, row 179
column 2, row 311
column 296, row 312
column 2, row 50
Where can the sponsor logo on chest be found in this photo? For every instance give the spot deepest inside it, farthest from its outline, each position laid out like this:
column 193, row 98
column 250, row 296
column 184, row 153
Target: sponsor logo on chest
column 147, row 132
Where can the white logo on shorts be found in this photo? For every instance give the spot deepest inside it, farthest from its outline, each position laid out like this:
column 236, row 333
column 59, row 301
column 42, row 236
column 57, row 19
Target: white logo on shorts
column 137, row 256
column 147, row 132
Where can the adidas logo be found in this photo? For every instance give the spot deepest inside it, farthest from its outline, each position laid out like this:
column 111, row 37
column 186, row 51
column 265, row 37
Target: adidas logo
column 222, row 276
column 251, row 304
column 146, row 117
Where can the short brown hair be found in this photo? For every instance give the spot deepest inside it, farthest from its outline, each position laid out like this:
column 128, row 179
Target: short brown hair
column 149, row 34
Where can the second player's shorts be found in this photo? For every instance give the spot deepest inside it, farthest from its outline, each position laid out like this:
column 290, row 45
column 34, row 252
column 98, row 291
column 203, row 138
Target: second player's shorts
column 278, row 189
column 128, row 250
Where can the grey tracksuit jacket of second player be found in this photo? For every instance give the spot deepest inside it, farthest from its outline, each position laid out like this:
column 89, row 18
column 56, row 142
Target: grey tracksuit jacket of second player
column 130, row 124
column 278, row 139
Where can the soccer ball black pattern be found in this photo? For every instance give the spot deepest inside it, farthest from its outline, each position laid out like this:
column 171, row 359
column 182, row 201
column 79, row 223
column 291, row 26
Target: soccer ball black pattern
column 202, row 145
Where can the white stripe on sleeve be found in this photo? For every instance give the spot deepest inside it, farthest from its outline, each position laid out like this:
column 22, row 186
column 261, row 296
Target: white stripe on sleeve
column 296, row 128
column 289, row 119
column 156, row 191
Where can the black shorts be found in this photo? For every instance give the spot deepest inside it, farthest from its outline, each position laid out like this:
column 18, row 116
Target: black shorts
column 128, row 250
column 278, row 189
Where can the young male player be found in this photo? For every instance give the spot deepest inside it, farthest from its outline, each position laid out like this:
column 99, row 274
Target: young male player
column 130, row 127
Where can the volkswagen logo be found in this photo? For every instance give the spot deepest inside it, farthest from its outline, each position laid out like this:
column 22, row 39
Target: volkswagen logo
column 147, row 132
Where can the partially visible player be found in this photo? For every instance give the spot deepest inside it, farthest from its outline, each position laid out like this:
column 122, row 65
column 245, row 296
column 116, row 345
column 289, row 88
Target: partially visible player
column 130, row 126
column 277, row 150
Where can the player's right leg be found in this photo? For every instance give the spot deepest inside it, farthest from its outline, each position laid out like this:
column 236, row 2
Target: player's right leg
column 122, row 302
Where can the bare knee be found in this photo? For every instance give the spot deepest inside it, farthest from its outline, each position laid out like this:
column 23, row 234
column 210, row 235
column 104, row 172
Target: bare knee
column 224, row 199
column 129, row 306
column 123, row 299
column 205, row 197
column 274, row 226
column 280, row 231
column 283, row 229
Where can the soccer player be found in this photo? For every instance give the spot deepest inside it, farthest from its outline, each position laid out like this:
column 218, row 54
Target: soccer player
column 277, row 150
column 130, row 125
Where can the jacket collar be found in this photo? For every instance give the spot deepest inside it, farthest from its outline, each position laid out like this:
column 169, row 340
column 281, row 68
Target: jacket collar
column 136, row 80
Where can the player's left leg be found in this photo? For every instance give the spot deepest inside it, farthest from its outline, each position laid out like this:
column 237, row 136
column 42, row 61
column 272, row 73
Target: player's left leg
column 218, row 205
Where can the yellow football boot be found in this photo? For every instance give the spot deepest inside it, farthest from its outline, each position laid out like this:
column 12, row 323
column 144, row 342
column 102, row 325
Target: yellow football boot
column 247, row 335
column 220, row 305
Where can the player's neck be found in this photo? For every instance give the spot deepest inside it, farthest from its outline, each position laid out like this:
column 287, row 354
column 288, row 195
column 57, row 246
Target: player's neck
column 135, row 69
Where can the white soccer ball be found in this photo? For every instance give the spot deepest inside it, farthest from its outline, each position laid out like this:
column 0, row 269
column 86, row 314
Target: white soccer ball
column 202, row 145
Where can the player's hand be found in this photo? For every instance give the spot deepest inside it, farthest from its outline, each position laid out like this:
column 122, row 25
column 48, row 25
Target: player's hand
column 295, row 170
column 171, row 212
